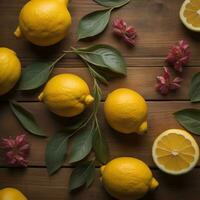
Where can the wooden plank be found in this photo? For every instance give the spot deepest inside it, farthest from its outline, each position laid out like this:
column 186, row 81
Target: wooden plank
column 142, row 80
column 160, row 118
column 153, row 41
column 144, row 61
column 36, row 184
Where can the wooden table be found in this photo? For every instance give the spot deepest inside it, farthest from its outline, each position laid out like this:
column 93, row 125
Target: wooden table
column 159, row 27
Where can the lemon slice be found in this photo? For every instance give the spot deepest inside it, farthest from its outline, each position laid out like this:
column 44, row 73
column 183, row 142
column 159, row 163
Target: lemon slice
column 175, row 152
column 190, row 14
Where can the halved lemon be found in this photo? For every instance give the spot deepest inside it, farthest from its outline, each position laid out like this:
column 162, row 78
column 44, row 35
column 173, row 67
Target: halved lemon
column 190, row 14
column 175, row 152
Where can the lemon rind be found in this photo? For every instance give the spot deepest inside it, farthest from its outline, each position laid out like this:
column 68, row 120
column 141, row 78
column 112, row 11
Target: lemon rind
column 187, row 136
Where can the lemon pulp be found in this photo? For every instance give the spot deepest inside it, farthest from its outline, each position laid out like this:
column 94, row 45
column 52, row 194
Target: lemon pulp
column 190, row 14
column 175, row 151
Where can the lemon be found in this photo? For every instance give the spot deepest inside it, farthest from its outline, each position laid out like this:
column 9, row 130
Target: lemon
column 44, row 22
column 175, row 152
column 10, row 70
column 190, row 14
column 126, row 111
column 11, row 194
column 66, row 95
column 127, row 178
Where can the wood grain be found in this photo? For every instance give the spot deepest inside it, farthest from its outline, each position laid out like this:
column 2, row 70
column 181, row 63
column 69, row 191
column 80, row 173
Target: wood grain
column 36, row 184
column 142, row 80
column 158, row 27
column 160, row 118
column 156, row 21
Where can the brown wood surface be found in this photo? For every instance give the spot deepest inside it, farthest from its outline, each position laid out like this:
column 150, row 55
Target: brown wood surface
column 36, row 185
column 159, row 27
column 160, row 118
column 141, row 80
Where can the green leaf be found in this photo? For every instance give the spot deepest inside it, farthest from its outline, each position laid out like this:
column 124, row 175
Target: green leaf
column 93, row 23
column 189, row 119
column 195, row 88
column 35, row 75
column 100, row 147
column 26, row 119
column 103, row 56
column 90, row 175
column 112, row 3
column 56, row 152
column 82, row 145
column 81, row 175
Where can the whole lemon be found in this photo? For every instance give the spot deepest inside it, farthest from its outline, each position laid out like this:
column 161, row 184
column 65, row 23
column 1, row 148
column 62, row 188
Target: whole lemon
column 10, row 70
column 66, row 95
column 127, row 178
column 44, row 22
column 11, row 194
column 126, row 111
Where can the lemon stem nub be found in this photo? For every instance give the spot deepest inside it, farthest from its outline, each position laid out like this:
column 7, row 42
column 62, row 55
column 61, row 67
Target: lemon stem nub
column 88, row 99
column 102, row 169
column 40, row 97
column 18, row 32
column 143, row 128
column 154, row 184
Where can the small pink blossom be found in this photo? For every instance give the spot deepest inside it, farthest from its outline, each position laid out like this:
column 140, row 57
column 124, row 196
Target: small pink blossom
column 165, row 84
column 16, row 150
column 127, row 33
column 179, row 55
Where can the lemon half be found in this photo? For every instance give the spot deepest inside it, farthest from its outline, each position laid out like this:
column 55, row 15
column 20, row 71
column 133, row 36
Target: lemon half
column 190, row 14
column 175, row 152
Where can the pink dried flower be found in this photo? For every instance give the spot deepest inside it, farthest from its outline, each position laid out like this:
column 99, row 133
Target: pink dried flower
column 165, row 84
column 179, row 55
column 16, row 150
column 127, row 33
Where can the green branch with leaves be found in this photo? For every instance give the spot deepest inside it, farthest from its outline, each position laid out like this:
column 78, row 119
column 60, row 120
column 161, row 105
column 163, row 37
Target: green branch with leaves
column 96, row 22
column 103, row 62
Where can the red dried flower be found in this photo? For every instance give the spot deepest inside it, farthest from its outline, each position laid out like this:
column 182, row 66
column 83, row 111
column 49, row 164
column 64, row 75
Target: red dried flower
column 179, row 55
column 16, row 150
column 165, row 84
column 127, row 33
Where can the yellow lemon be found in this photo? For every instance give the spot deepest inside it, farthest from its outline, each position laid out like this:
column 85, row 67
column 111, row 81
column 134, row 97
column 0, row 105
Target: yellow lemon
column 175, row 151
column 44, row 22
column 126, row 111
column 190, row 14
column 66, row 95
column 127, row 178
column 11, row 194
column 10, row 70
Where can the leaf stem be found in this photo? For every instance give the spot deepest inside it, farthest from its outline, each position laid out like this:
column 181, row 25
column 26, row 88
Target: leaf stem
column 69, row 51
column 82, row 125
column 97, row 123
column 58, row 59
column 79, row 51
